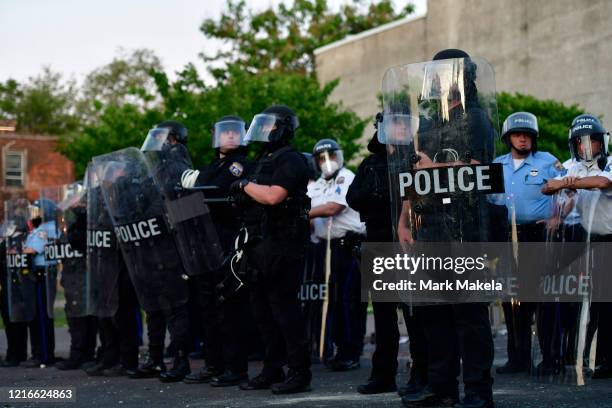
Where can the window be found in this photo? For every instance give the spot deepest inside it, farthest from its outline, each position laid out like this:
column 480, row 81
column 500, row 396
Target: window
column 13, row 169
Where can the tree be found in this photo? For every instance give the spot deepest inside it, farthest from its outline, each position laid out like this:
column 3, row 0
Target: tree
column 45, row 104
column 10, row 95
column 285, row 40
column 127, row 79
column 554, row 119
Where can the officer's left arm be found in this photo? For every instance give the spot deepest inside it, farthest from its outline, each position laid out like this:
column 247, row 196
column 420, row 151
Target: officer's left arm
column 34, row 245
column 326, row 210
column 600, row 182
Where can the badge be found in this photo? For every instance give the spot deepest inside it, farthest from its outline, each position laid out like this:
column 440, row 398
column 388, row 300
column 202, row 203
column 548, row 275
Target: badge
column 42, row 235
column 533, row 172
column 236, row 169
column 340, row 180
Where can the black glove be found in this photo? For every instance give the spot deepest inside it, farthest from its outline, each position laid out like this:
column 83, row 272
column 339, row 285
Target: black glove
column 237, row 187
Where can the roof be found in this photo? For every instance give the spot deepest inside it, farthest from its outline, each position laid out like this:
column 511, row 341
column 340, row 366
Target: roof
column 370, row 32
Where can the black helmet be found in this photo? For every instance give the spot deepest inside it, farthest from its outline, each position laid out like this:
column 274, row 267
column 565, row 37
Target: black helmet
column 585, row 117
column 582, row 132
column 275, row 124
column 524, row 122
column 162, row 133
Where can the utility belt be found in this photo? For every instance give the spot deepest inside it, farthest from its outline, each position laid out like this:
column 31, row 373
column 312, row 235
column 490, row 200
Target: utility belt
column 351, row 241
column 288, row 220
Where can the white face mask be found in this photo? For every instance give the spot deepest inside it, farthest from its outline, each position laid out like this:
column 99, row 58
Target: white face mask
column 329, row 167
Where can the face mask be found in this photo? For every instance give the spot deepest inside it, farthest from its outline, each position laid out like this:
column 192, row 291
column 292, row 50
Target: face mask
column 329, row 168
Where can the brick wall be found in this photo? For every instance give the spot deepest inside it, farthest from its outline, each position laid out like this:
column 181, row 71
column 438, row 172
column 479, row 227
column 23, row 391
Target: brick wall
column 43, row 165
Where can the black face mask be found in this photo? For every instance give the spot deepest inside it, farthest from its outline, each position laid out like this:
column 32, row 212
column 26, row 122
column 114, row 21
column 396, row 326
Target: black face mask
column 36, row 222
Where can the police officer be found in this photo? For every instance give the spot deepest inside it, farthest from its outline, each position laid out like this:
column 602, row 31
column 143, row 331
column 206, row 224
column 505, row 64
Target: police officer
column 334, row 220
column 275, row 207
column 42, row 333
column 526, row 170
column 223, row 301
column 16, row 332
column 116, row 302
column 369, row 194
column 590, row 175
column 454, row 130
column 169, row 160
column 83, row 328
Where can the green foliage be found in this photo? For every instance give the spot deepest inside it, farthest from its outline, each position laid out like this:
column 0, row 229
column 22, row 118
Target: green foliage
column 285, row 39
column 45, row 104
column 554, row 119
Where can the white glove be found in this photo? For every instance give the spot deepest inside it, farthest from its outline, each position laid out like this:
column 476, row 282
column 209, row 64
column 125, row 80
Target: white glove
column 189, row 178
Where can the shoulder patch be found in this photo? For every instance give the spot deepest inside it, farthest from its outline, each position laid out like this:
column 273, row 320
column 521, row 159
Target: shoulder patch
column 236, row 169
column 559, row 166
column 340, row 180
column 533, row 172
column 42, row 235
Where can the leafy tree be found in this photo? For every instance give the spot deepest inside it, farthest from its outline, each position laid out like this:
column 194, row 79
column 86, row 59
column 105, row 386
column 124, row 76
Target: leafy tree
column 45, row 104
column 284, row 40
column 127, row 79
column 554, row 119
column 10, row 95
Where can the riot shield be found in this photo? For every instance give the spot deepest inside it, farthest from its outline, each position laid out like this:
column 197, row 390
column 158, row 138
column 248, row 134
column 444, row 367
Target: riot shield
column 563, row 346
column 137, row 209
column 103, row 254
column 439, row 125
column 188, row 215
column 65, row 254
column 21, row 282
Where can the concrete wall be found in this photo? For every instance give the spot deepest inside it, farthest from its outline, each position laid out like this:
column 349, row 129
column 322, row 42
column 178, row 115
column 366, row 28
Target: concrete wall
column 557, row 49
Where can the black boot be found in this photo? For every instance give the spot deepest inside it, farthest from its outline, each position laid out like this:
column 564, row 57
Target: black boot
column 205, row 375
column 263, row 381
column 473, row 400
column 297, row 381
column 179, row 369
column 377, row 386
column 150, row 369
column 69, row 364
column 428, row 398
column 229, row 378
column 415, row 385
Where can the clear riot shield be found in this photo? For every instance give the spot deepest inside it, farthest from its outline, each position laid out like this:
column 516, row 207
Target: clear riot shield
column 188, row 215
column 439, row 125
column 65, row 254
column 136, row 205
column 21, row 282
column 103, row 254
column 563, row 347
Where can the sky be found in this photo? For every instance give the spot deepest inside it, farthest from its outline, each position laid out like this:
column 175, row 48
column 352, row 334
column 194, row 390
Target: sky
column 76, row 36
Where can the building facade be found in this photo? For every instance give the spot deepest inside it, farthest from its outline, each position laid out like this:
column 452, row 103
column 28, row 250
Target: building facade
column 28, row 163
column 551, row 49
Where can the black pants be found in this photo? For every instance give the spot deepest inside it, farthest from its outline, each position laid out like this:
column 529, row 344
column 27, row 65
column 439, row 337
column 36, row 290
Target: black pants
column 83, row 333
column 519, row 318
column 156, row 333
column 120, row 332
column 604, row 321
column 344, row 321
column 42, row 332
column 16, row 333
column 384, row 359
column 275, row 304
column 459, row 333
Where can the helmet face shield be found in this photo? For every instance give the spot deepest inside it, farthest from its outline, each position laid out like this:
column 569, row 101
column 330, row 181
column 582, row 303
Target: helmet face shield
column 329, row 162
column 396, row 129
column 229, row 134
column 589, row 147
column 156, row 139
column 261, row 127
